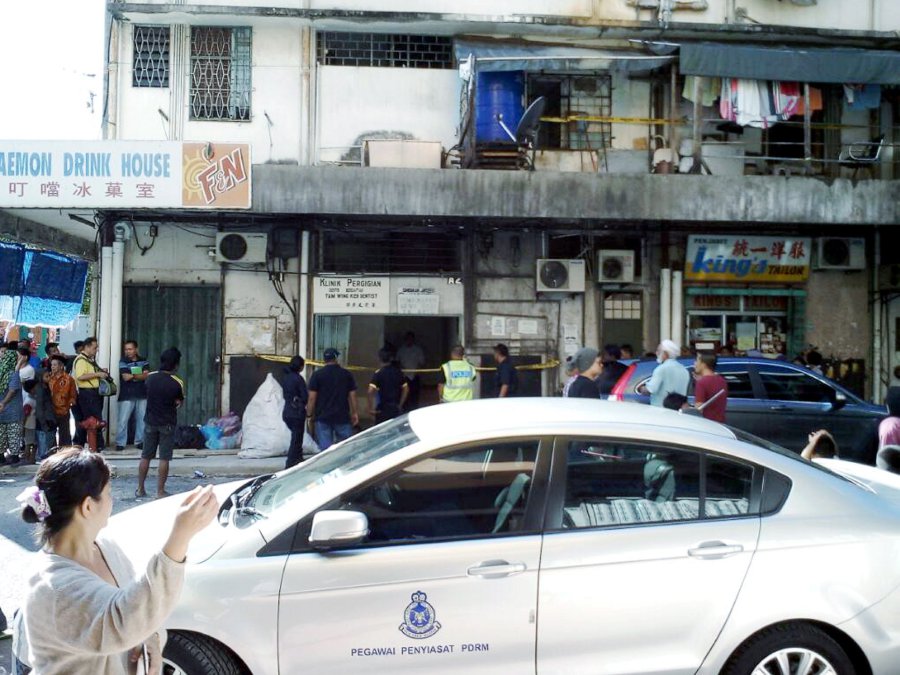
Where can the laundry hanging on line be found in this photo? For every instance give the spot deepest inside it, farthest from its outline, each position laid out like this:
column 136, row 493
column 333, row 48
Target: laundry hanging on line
column 754, row 103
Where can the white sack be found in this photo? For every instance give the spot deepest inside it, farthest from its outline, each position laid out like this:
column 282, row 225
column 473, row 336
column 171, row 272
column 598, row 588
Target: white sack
column 265, row 433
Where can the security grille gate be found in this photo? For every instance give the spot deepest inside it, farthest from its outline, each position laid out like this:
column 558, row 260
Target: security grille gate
column 187, row 317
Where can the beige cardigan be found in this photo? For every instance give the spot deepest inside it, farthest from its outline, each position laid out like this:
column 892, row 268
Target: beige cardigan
column 75, row 622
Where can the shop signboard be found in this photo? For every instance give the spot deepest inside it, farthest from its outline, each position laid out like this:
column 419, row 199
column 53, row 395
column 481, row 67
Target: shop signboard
column 747, row 259
column 351, row 295
column 124, row 174
column 415, row 300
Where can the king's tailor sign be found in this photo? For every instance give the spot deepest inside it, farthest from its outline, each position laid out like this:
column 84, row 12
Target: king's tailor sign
column 747, row 259
column 124, row 174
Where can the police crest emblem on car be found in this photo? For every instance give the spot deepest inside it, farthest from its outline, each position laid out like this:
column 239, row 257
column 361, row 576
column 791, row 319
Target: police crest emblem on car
column 419, row 618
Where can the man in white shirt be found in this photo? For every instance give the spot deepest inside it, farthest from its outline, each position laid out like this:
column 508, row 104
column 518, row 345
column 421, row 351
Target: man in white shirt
column 669, row 377
column 411, row 358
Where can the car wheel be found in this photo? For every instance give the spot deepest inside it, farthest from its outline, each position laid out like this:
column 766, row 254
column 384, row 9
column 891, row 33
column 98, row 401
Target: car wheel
column 790, row 649
column 194, row 654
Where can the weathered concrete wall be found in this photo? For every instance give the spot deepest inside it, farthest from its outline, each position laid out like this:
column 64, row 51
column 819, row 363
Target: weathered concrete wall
column 508, row 309
column 838, row 320
column 26, row 231
column 398, row 103
column 523, row 194
column 255, row 320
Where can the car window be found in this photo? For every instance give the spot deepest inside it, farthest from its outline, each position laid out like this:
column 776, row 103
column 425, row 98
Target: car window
column 610, row 484
column 469, row 492
column 729, row 487
column 738, row 378
column 792, row 385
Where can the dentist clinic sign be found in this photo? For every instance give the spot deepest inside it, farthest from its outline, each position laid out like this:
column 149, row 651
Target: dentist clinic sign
column 124, row 174
column 747, row 259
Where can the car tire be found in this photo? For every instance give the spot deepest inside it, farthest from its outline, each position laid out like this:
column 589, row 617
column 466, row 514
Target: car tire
column 794, row 641
column 193, row 654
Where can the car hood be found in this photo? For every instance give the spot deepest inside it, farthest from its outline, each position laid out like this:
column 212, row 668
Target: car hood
column 883, row 483
column 142, row 530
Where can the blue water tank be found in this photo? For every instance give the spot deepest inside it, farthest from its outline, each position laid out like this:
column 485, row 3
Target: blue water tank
column 498, row 94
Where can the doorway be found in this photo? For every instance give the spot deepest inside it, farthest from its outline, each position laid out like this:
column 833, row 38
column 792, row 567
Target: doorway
column 359, row 337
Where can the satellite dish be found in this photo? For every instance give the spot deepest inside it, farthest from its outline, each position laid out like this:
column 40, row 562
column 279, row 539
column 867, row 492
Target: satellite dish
column 526, row 131
column 554, row 274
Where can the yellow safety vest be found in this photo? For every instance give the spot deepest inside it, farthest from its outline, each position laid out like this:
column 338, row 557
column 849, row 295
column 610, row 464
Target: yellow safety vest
column 459, row 382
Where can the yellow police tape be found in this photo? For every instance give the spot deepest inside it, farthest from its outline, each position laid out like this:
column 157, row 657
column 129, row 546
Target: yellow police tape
column 552, row 363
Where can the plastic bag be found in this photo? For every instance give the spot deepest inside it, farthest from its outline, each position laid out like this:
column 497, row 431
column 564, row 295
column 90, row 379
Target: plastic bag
column 264, row 432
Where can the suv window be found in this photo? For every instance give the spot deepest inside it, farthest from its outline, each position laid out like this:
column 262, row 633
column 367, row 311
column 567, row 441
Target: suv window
column 474, row 491
column 610, row 484
column 784, row 384
column 738, row 378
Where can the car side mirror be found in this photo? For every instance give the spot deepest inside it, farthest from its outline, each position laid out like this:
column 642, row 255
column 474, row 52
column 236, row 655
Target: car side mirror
column 333, row 529
column 839, row 401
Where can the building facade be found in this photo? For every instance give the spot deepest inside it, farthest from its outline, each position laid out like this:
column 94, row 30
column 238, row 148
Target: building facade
column 677, row 187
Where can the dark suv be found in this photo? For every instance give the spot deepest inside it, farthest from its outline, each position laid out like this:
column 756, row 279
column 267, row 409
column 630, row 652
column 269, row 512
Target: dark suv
column 781, row 402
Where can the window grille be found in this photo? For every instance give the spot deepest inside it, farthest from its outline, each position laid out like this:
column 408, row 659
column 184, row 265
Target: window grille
column 220, row 73
column 150, row 64
column 571, row 95
column 383, row 50
column 404, row 252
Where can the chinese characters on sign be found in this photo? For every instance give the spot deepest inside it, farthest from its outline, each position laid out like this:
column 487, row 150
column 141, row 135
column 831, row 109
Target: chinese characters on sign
column 129, row 174
column 747, row 259
column 351, row 295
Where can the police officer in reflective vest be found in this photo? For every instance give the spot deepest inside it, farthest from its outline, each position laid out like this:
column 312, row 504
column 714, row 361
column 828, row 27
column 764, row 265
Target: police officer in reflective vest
column 457, row 381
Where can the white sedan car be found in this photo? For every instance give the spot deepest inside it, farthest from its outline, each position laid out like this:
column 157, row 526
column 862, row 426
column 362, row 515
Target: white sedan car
column 540, row 536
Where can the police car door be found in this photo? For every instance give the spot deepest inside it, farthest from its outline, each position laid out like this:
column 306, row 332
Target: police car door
column 646, row 550
column 446, row 580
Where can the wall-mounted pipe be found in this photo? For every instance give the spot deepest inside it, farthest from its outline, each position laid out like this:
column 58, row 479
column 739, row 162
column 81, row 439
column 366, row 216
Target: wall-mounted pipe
column 665, row 303
column 114, row 339
column 677, row 331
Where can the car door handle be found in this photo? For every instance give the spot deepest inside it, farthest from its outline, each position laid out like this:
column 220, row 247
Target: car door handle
column 495, row 569
column 715, row 550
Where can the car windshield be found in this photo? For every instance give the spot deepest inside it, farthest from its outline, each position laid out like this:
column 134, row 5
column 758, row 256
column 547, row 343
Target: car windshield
column 349, row 456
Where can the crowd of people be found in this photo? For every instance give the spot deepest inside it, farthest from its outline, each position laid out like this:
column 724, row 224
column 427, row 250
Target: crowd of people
column 43, row 400
column 594, row 374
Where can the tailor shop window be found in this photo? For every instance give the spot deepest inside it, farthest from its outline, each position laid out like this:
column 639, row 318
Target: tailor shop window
column 739, row 323
column 389, row 253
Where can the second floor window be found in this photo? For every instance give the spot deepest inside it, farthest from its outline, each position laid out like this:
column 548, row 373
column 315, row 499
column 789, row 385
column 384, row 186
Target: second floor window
column 150, row 63
column 220, row 73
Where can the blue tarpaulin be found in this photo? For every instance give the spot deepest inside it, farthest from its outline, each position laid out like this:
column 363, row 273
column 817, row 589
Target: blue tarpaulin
column 40, row 288
column 12, row 262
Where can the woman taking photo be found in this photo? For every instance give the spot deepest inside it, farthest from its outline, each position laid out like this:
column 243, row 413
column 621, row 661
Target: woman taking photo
column 87, row 611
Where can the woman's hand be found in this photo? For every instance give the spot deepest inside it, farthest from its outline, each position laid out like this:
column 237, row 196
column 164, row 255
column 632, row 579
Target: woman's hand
column 196, row 512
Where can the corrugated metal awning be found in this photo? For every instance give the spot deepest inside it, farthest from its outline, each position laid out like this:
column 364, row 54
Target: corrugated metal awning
column 791, row 64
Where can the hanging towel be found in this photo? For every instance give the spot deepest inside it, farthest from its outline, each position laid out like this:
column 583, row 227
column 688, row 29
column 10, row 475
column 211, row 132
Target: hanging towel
column 815, row 101
column 710, row 89
column 863, row 96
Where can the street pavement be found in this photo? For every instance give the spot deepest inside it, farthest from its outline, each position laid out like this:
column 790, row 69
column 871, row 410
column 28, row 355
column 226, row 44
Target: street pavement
column 17, row 537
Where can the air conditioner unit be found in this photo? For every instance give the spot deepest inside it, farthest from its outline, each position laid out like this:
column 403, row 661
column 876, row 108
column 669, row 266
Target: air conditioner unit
column 560, row 276
column 840, row 253
column 246, row 248
column 615, row 267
